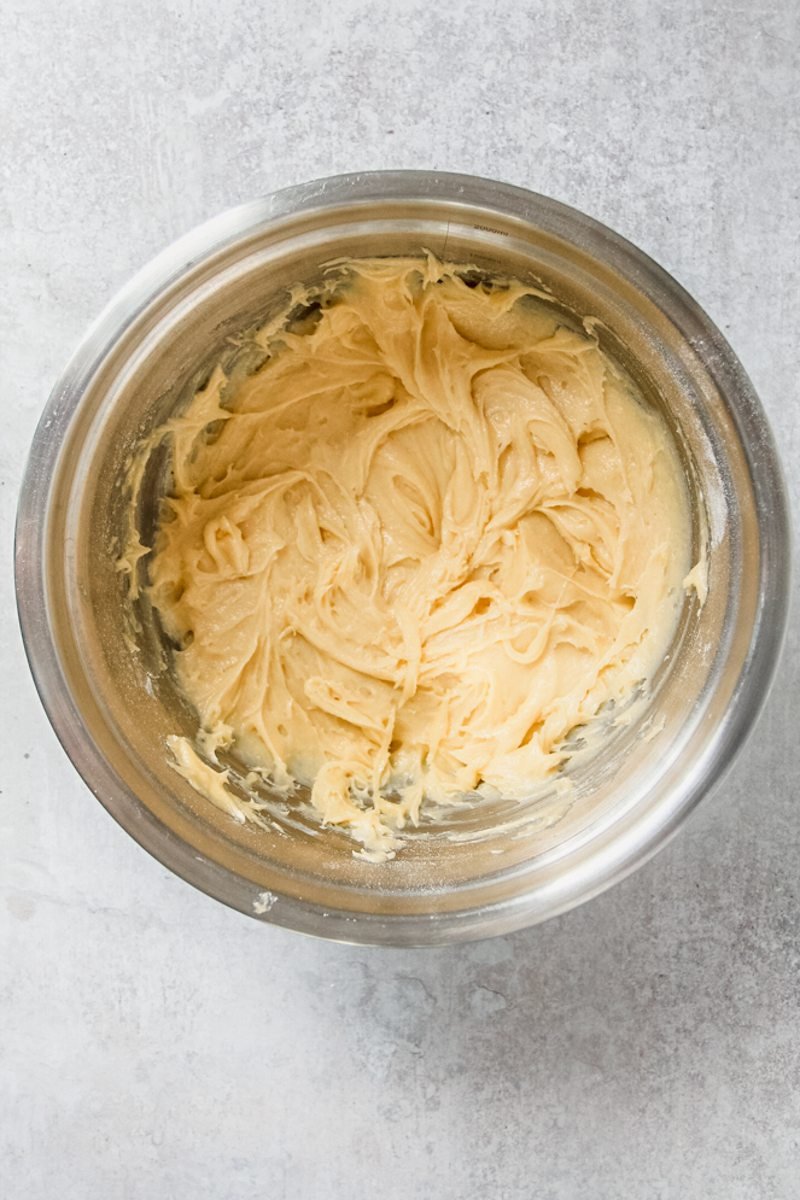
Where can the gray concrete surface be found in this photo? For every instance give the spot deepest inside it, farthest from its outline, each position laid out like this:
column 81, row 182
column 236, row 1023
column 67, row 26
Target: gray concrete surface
column 153, row 1044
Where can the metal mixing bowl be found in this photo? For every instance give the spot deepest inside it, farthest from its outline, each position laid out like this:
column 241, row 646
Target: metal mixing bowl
column 111, row 697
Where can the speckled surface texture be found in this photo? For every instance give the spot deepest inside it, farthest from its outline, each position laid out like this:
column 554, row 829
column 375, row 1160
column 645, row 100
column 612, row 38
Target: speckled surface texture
column 154, row 1044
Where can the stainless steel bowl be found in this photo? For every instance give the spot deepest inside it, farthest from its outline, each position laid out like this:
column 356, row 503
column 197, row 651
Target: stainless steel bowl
column 111, row 697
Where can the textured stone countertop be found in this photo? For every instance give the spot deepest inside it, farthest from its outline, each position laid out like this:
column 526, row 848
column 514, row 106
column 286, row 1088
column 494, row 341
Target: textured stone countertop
column 154, row 1044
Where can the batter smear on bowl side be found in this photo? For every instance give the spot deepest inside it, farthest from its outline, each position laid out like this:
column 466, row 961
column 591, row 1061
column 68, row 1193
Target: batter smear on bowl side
column 430, row 536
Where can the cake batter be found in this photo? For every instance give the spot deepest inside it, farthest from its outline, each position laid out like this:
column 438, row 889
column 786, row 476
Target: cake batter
column 432, row 535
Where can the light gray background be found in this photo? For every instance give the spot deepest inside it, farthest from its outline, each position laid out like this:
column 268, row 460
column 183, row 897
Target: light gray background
column 156, row 1045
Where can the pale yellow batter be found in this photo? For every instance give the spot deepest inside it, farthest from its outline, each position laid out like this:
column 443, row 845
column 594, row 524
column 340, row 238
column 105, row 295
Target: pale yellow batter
column 433, row 534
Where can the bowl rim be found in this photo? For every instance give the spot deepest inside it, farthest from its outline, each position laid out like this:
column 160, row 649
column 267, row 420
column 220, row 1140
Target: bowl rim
column 643, row 836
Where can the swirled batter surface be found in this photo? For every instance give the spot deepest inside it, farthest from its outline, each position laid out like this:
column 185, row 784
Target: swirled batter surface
column 430, row 536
